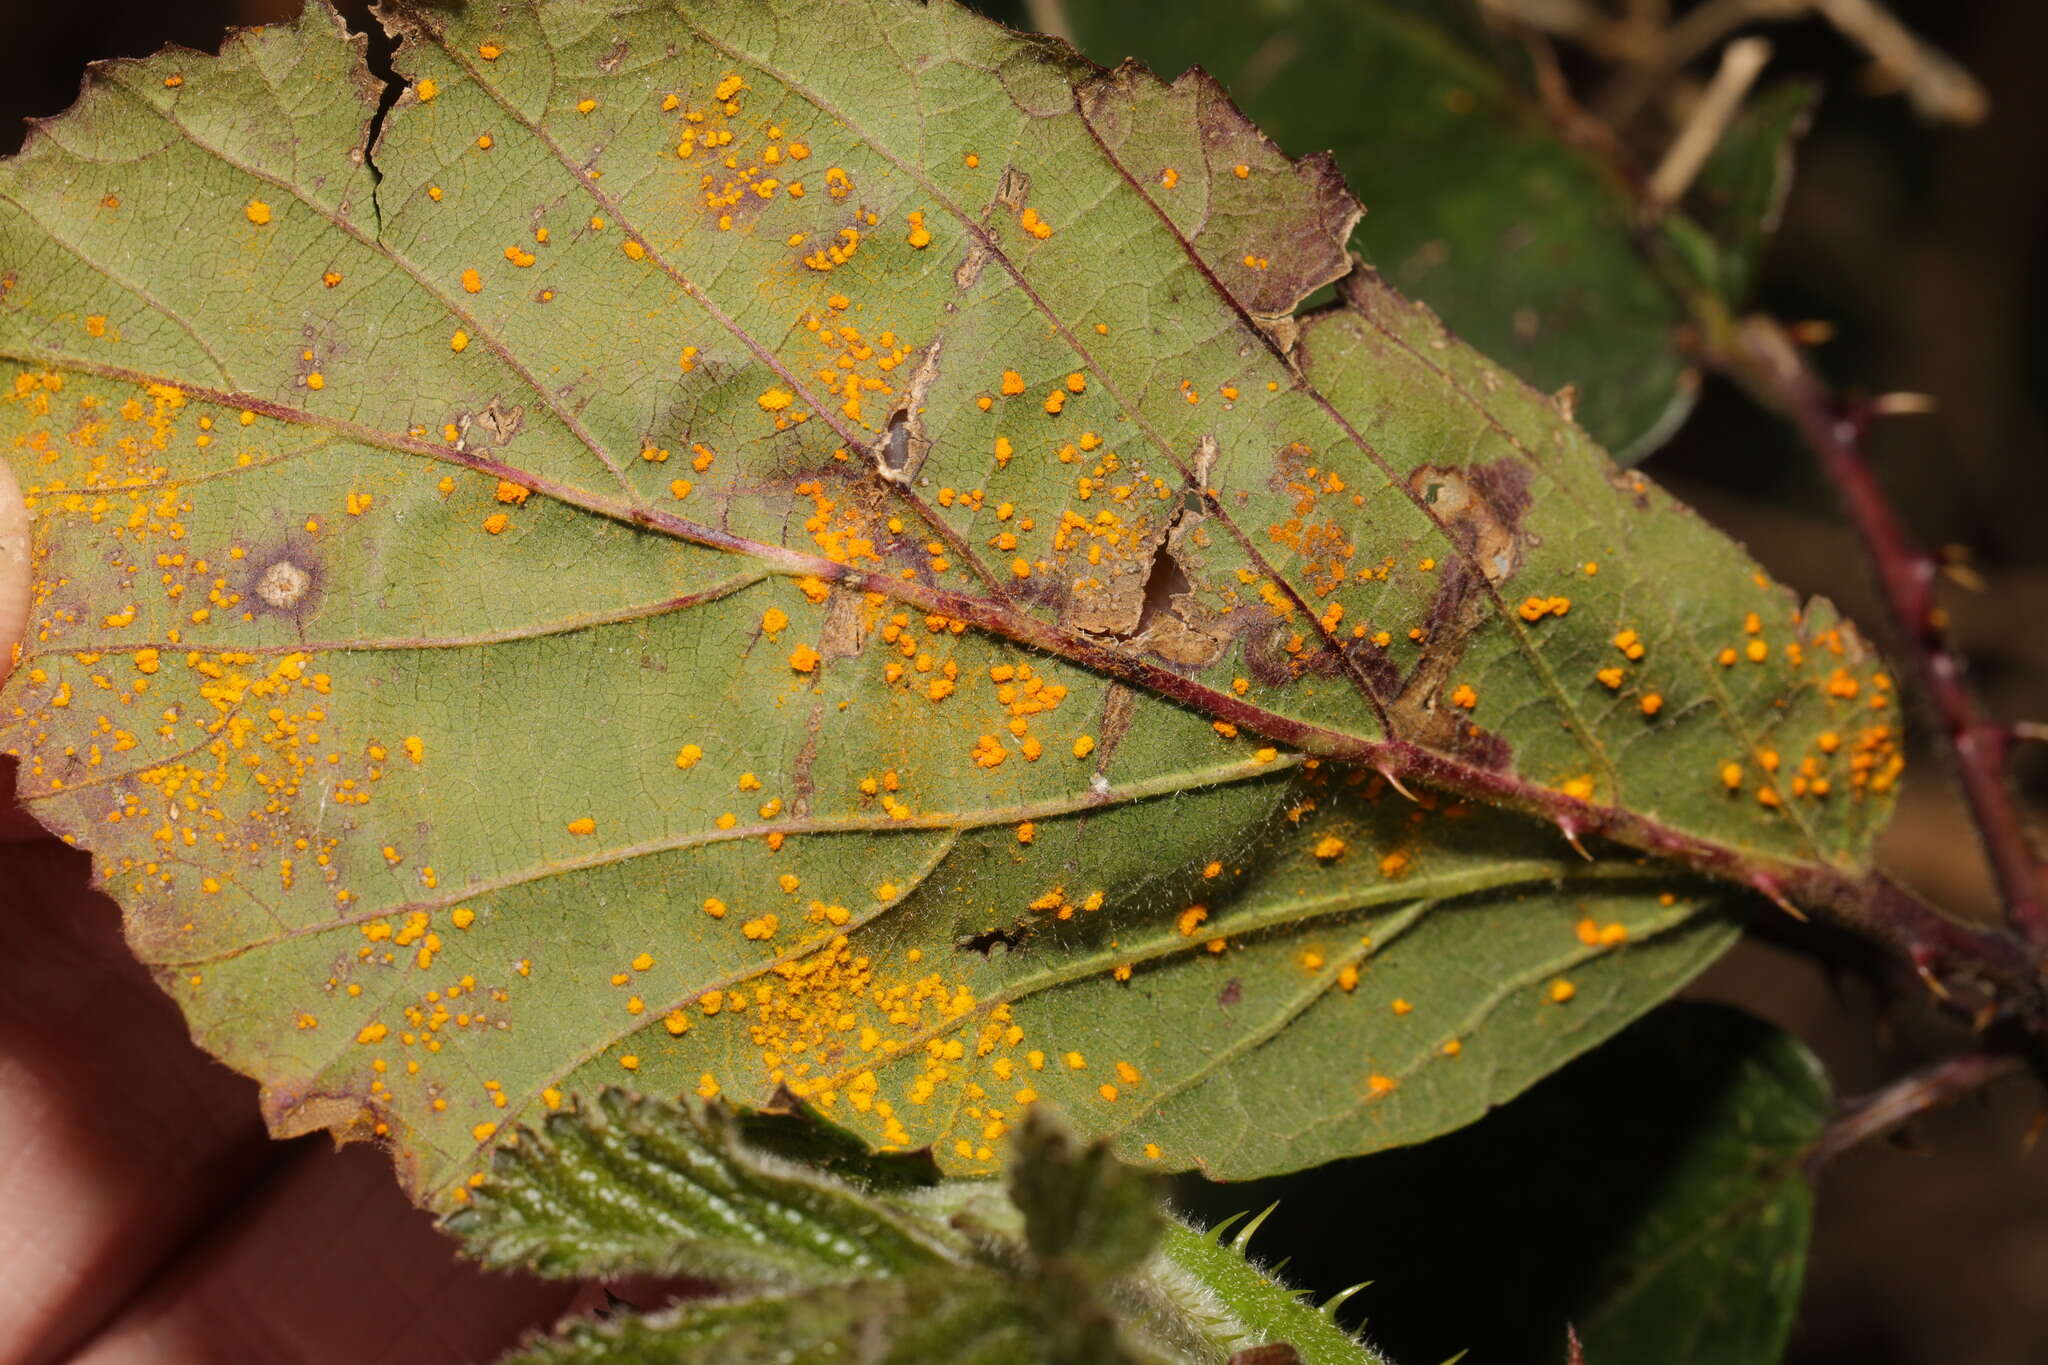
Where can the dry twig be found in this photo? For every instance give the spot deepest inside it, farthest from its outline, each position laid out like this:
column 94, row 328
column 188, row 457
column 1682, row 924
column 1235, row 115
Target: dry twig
column 1931, row 1087
column 1741, row 63
column 1940, row 89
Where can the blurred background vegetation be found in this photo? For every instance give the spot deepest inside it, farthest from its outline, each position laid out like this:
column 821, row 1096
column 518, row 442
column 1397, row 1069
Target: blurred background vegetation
column 1919, row 241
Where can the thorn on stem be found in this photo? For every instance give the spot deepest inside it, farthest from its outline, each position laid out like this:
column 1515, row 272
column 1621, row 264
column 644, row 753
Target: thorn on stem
column 1395, row 783
column 2032, row 1134
column 1216, row 1233
column 1769, row 888
column 1338, row 1299
column 1926, row 974
column 1902, row 404
column 1244, row 1234
column 1957, row 569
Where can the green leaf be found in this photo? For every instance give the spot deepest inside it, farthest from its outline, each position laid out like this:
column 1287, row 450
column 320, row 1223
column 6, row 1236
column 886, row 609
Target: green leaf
column 1652, row 1193
column 503, row 631
column 634, row 1186
column 927, row 1317
column 808, row 1264
column 1710, row 1271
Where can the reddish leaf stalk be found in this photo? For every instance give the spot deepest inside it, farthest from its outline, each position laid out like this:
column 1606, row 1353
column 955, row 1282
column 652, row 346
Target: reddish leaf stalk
column 1773, row 366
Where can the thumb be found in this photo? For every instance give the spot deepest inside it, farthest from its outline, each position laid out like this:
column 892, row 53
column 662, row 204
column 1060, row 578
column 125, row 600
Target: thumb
column 13, row 627
column 13, row 569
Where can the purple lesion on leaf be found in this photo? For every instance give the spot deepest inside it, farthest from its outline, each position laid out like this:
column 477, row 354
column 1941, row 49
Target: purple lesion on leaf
column 1279, row 651
column 1480, row 747
column 1372, row 661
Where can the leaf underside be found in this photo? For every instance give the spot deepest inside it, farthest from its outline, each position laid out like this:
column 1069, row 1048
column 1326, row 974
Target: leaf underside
column 803, row 561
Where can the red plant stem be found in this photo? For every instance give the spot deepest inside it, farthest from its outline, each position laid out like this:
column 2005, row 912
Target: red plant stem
column 1931, row 1087
column 1773, row 366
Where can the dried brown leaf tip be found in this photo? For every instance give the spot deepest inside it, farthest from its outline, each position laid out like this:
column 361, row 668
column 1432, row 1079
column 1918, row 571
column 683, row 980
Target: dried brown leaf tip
column 1269, row 229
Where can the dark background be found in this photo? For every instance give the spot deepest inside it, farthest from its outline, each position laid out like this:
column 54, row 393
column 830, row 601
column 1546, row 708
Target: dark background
column 1923, row 246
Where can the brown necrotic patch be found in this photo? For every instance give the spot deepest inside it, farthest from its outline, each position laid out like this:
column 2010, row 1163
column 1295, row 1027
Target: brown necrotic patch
column 283, row 585
column 1174, row 624
column 1140, row 584
column 285, row 579
column 1480, row 508
column 493, row 427
column 899, row 453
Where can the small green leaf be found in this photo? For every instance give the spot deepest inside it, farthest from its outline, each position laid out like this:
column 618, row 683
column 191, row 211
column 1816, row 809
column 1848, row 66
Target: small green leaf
column 1652, row 1193
column 1741, row 189
column 1709, row 1270
column 636, row 1186
column 961, row 1318
column 811, row 1262
column 1080, row 1204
